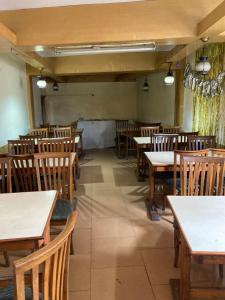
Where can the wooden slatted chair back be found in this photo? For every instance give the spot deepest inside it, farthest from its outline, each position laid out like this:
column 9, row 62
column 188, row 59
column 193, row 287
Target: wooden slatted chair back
column 39, row 132
column 201, row 142
column 48, row 266
column 18, row 147
column 171, row 129
column 183, row 139
column 164, row 142
column 177, row 155
column 27, row 137
column 202, row 175
column 56, row 145
column 62, row 132
column 121, row 124
column 5, row 175
column 149, row 131
column 54, row 172
column 217, row 152
column 24, row 173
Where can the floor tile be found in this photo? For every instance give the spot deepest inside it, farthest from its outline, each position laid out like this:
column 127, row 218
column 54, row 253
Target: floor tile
column 114, row 252
column 83, row 295
column 120, row 284
column 82, row 241
column 80, row 272
column 162, row 292
column 111, row 227
column 159, row 264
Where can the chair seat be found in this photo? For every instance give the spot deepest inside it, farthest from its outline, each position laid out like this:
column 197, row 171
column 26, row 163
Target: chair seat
column 169, row 183
column 63, row 209
column 8, row 293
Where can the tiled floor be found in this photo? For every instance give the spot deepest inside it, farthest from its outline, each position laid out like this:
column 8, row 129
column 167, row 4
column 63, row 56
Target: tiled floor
column 119, row 253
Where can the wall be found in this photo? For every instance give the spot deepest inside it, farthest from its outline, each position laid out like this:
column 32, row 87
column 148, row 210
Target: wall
column 13, row 98
column 37, row 103
column 113, row 100
column 158, row 104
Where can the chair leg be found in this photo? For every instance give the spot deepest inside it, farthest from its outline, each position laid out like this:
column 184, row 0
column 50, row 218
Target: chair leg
column 71, row 245
column 6, row 259
column 221, row 271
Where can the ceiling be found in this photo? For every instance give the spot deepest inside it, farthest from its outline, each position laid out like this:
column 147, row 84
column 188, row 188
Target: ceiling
column 174, row 25
column 26, row 4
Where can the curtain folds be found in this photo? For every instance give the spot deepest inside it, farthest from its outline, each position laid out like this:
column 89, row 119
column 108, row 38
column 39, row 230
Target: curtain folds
column 209, row 113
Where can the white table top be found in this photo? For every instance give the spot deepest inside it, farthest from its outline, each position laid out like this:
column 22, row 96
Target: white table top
column 76, row 139
column 24, row 215
column 142, row 140
column 201, row 220
column 162, row 158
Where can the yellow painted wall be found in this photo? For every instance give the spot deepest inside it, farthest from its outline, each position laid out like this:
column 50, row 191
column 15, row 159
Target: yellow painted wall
column 112, row 100
column 158, row 104
column 13, row 98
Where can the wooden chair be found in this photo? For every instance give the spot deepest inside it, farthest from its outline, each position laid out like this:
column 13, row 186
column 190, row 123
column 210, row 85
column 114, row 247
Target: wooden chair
column 149, row 131
column 199, row 176
column 56, row 145
column 5, row 187
column 17, row 147
column 54, row 172
column 62, row 132
column 39, row 132
column 43, row 274
column 24, row 173
column 130, row 145
column 171, row 129
column 27, row 137
column 164, row 142
column 183, row 139
column 201, row 142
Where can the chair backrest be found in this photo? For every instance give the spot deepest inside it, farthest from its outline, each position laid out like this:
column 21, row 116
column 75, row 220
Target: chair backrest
column 121, row 124
column 56, row 145
column 48, row 268
column 24, row 173
column 177, row 155
column 62, row 132
column 217, row 152
column 144, row 124
column 171, row 129
column 164, row 142
column 27, row 137
column 201, row 142
column 39, row 132
column 149, row 131
column 202, row 175
column 17, row 147
column 5, row 175
column 54, row 172
column 132, row 131
column 183, row 139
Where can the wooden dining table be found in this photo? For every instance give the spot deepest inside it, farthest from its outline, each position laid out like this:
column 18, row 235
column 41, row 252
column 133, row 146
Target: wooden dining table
column 25, row 219
column 201, row 221
column 158, row 162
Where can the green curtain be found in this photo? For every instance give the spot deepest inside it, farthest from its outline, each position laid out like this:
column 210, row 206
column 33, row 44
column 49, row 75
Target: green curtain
column 209, row 113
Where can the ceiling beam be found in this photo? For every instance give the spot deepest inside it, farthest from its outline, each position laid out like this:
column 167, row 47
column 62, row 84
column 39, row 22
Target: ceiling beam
column 8, row 35
column 212, row 26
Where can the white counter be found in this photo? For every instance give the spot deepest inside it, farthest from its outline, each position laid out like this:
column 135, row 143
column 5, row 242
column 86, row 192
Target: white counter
column 98, row 133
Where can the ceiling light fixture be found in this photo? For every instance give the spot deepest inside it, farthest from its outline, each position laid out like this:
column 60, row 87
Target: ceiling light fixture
column 101, row 49
column 203, row 66
column 55, row 86
column 169, row 79
column 41, row 82
column 146, row 85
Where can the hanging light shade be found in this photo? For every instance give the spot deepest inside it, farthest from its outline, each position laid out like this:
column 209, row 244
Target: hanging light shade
column 41, row 83
column 146, row 85
column 169, row 79
column 55, row 86
column 203, row 66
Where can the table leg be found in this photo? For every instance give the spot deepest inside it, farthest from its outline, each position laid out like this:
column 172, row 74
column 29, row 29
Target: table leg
column 81, row 145
column 138, row 160
column 185, row 271
column 153, row 214
column 47, row 237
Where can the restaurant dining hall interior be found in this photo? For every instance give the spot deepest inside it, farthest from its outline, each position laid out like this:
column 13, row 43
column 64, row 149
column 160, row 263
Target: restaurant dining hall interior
column 112, row 149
